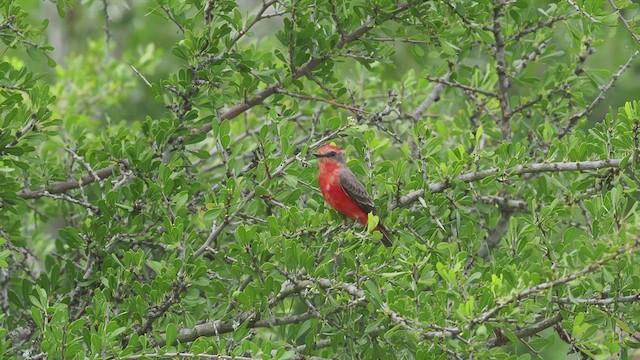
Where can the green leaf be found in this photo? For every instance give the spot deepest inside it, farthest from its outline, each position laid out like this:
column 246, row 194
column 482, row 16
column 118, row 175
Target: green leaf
column 37, row 317
column 171, row 333
column 372, row 222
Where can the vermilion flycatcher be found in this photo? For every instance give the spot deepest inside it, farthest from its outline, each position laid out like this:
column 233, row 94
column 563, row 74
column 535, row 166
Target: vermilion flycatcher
column 343, row 191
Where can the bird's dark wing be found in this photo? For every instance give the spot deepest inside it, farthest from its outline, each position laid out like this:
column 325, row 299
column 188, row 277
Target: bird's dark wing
column 356, row 191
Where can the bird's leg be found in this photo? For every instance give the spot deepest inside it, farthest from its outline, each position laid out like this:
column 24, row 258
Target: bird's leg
column 328, row 234
column 346, row 225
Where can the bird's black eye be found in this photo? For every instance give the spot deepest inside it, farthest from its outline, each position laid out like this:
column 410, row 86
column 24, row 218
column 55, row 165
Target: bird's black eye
column 331, row 153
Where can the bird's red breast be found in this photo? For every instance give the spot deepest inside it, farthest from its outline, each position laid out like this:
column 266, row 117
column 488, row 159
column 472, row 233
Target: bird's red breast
column 329, row 179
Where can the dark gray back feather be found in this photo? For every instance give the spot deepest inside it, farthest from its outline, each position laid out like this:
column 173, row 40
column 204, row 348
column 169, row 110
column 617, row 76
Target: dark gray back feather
column 356, row 191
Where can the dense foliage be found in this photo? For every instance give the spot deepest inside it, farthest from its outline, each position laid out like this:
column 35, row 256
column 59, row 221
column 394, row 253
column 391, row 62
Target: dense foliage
column 164, row 203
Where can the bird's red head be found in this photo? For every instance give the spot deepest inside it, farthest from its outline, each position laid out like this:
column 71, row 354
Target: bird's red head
column 329, row 154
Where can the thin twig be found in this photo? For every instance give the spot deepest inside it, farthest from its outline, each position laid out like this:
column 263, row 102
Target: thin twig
column 107, row 23
column 170, row 16
column 139, row 74
column 582, row 11
column 603, row 90
column 625, row 22
column 444, row 81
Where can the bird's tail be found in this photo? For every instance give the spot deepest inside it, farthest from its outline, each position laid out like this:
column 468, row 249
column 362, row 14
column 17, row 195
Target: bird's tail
column 386, row 237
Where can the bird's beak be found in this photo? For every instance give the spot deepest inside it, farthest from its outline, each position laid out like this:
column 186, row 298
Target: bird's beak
column 317, row 155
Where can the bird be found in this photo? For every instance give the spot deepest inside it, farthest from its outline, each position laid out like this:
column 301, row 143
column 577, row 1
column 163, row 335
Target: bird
column 342, row 190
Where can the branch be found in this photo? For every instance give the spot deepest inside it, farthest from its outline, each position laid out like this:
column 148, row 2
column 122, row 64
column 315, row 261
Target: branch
column 218, row 327
column 603, row 90
column 538, row 49
column 7, row 23
column 326, row 101
column 170, row 16
column 514, row 204
column 139, row 74
column 72, row 200
column 481, row 105
column 24, row 130
column 534, row 168
column 444, row 81
column 433, row 97
column 174, row 297
column 21, row 37
column 582, row 11
column 170, row 355
column 300, row 348
column 400, row 40
column 537, row 27
column 208, row 11
column 624, row 21
column 23, row 333
column 501, row 69
column 566, row 337
column 493, row 237
column 107, row 22
column 64, row 186
column 601, row 302
column 526, row 332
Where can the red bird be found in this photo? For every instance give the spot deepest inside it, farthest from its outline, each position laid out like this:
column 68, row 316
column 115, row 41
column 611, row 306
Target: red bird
column 343, row 191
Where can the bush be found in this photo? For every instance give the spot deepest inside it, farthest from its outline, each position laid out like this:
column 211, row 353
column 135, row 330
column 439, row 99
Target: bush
column 158, row 198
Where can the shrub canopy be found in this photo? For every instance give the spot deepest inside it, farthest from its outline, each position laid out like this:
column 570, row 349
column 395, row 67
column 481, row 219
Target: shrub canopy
column 158, row 197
